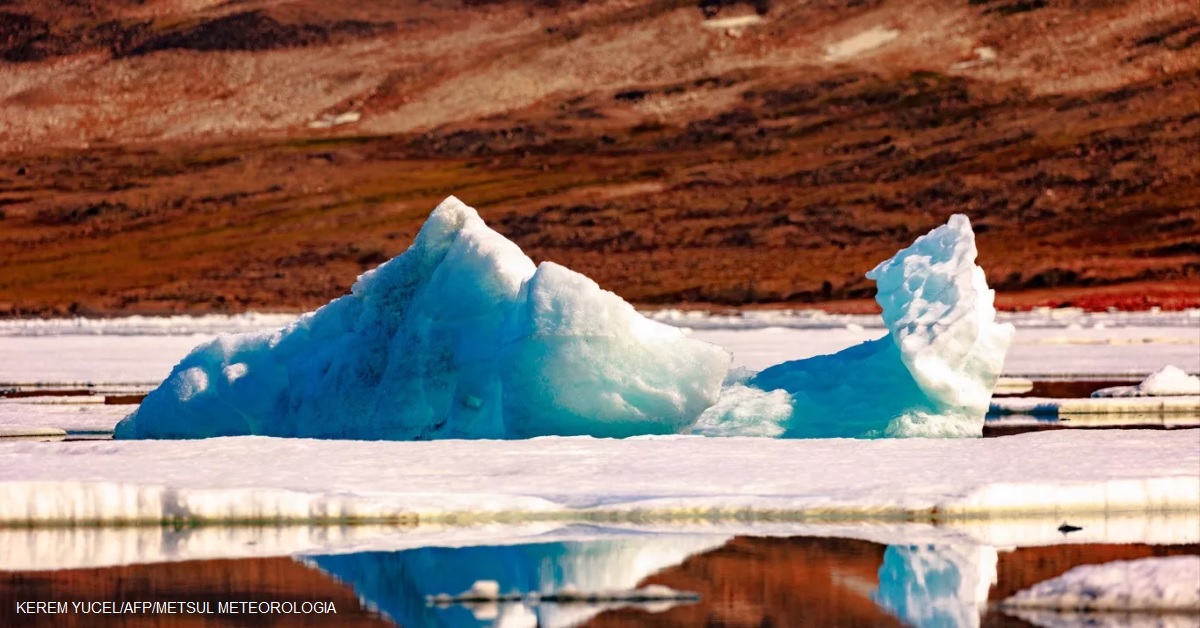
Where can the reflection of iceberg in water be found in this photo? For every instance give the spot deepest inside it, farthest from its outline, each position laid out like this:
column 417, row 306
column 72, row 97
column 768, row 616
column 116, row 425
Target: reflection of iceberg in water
column 936, row 585
column 397, row 583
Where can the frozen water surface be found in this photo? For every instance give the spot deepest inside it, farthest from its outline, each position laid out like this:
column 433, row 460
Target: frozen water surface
column 268, row 479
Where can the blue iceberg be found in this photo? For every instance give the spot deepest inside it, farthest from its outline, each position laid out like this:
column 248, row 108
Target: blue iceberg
column 932, row 375
column 462, row 336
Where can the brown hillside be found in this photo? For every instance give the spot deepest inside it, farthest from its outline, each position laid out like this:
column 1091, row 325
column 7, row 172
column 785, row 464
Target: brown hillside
column 193, row 155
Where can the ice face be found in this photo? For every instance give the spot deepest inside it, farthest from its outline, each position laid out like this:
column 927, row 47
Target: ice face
column 576, row 359
column 932, row 375
column 459, row 337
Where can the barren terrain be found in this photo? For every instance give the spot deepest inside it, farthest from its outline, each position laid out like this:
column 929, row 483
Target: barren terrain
column 196, row 155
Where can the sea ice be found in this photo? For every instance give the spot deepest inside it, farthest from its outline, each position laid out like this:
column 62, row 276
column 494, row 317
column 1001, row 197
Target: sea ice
column 458, row 337
column 1059, row 473
column 931, row 375
column 1147, row 584
column 1168, row 381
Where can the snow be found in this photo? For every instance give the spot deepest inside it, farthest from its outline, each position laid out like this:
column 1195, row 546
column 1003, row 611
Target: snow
column 458, row 337
column 736, row 22
column 931, row 375
column 1167, row 381
column 179, row 325
column 26, row 431
column 69, row 417
column 860, row 43
column 81, row 360
column 268, row 479
column 1147, row 584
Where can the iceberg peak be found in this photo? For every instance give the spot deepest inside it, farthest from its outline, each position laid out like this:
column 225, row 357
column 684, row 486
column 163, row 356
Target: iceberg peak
column 931, row 375
column 461, row 336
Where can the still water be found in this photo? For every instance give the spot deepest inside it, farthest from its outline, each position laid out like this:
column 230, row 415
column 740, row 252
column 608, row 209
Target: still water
column 943, row 578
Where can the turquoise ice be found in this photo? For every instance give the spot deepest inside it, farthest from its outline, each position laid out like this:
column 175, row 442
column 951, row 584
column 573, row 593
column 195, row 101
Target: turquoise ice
column 461, row 336
column 458, row 337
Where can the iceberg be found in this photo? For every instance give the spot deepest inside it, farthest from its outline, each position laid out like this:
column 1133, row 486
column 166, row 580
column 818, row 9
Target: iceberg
column 461, row 336
column 932, row 375
column 1168, row 381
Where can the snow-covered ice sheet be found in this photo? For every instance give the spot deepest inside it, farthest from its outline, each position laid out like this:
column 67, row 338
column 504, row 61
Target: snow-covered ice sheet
column 265, row 479
column 71, row 417
column 76, row 360
column 1168, row 381
column 1147, row 584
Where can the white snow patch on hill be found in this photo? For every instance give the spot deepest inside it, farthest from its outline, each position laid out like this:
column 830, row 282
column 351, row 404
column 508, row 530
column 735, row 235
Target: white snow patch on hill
column 860, row 43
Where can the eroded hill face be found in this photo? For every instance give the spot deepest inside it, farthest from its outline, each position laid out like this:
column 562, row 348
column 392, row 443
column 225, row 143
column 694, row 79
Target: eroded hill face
column 190, row 155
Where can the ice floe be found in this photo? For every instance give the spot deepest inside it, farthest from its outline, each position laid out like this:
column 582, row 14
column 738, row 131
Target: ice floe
column 1168, row 381
column 1147, row 584
column 270, row 480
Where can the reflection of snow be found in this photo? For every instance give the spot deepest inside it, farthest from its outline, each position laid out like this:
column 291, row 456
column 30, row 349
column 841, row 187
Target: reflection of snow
column 937, row 585
column 397, row 583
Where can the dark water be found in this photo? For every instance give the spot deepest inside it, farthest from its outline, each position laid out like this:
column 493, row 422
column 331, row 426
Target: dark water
column 742, row 581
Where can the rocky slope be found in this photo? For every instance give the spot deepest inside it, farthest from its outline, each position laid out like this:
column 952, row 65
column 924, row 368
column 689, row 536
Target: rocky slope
column 192, row 155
